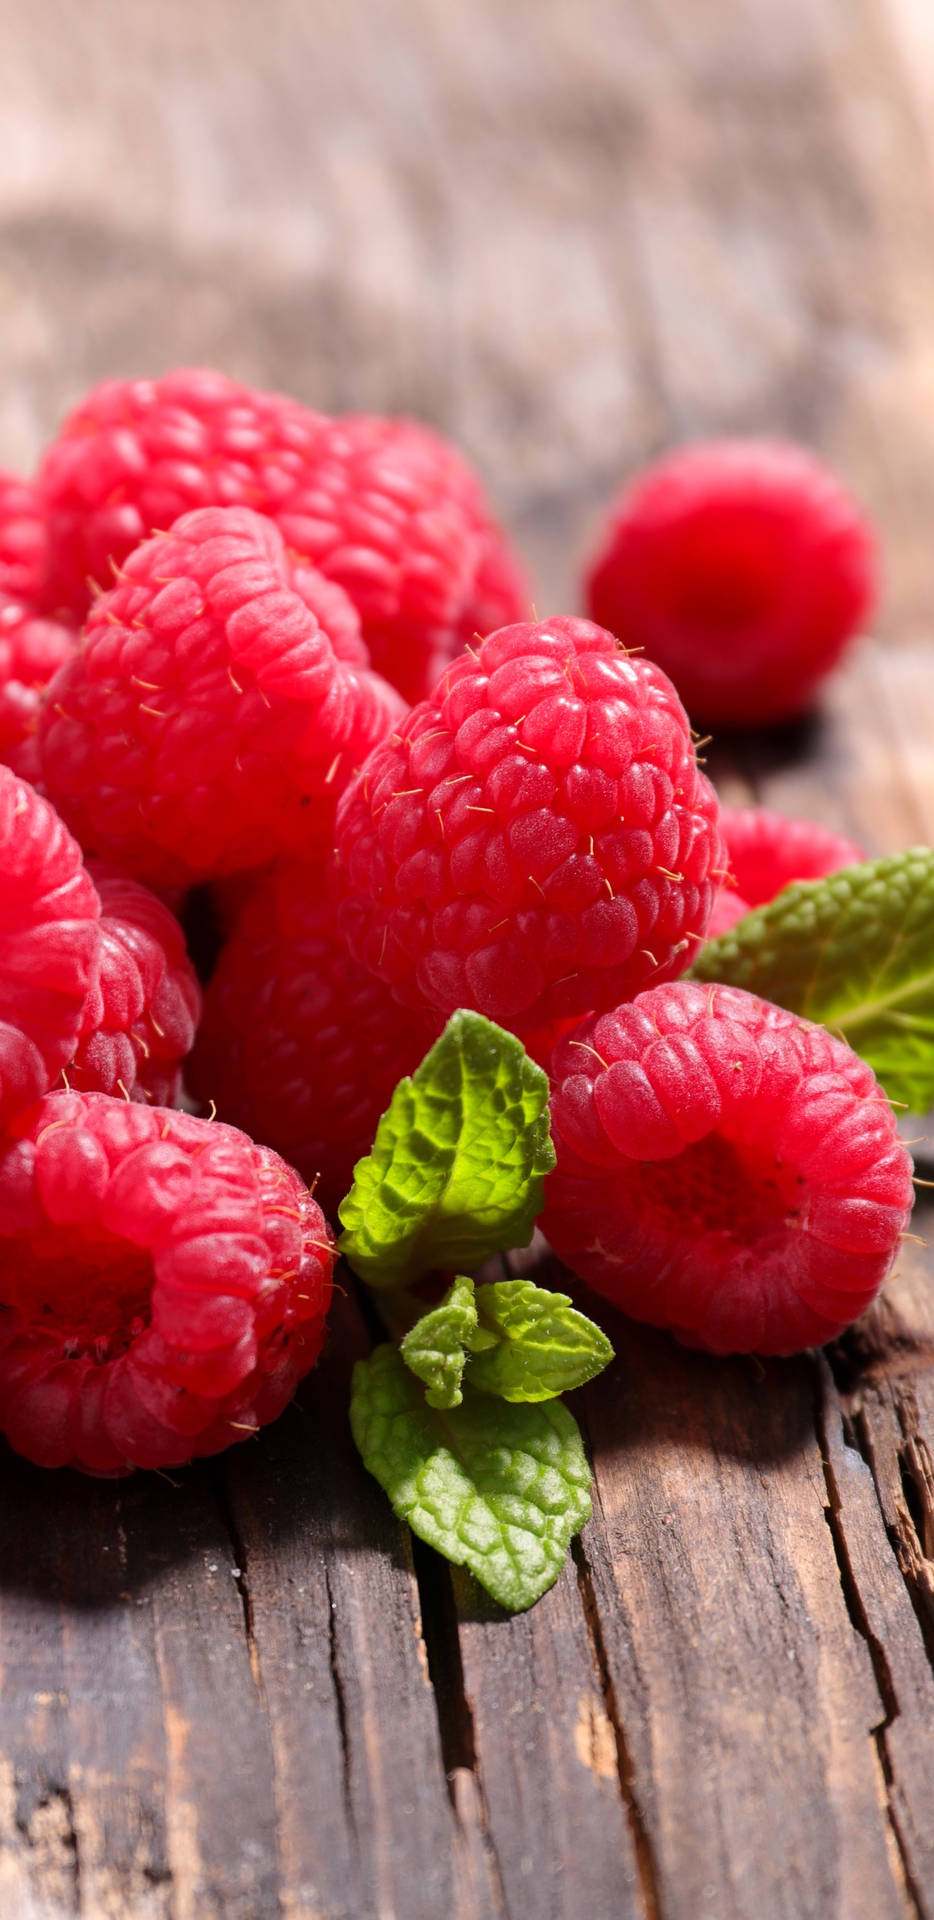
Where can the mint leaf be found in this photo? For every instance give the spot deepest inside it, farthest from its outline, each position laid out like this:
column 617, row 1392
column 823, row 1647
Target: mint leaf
column 542, row 1345
column 435, row 1348
column 855, row 952
column 515, row 1340
column 497, row 1488
column 459, row 1159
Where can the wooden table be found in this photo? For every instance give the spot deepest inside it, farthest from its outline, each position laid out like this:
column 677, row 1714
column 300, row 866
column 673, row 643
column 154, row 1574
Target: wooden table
column 569, row 231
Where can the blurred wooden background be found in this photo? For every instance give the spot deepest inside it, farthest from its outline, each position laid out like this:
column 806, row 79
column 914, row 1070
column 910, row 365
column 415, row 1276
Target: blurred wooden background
column 568, row 232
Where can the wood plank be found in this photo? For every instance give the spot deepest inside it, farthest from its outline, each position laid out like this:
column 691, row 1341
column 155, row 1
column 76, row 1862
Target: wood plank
column 367, row 1824
column 741, row 1681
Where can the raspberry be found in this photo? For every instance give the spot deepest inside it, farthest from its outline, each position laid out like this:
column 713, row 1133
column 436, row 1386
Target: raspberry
column 32, row 649
column 384, row 507
column 743, row 568
column 206, row 724
column 394, row 512
column 535, row 842
column 298, row 1045
column 49, row 943
column 725, row 1169
column 164, row 1284
column 22, row 538
column 767, row 851
column 728, row 907
column 141, row 1015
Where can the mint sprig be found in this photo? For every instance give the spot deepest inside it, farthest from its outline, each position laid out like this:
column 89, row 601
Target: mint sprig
column 458, row 1164
column 509, row 1338
column 498, row 1488
column 460, row 1423
column 856, row 953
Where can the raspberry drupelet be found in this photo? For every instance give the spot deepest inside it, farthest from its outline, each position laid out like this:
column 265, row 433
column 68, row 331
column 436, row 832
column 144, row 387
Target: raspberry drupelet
column 537, row 840
column 744, row 568
column 206, row 724
column 725, row 1169
column 163, row 1288
column 299, row 1045
column 141, row 1015
column 384, row 507
column 23, row 539
column 49, row 943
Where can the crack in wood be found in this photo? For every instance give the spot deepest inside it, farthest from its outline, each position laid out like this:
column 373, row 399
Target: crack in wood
column 340, row 1702
column 645, row 1860
column 833, row 1513
column 239, row 1572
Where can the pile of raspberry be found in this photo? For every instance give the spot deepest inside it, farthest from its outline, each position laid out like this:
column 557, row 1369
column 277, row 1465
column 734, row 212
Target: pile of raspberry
column 275, row 673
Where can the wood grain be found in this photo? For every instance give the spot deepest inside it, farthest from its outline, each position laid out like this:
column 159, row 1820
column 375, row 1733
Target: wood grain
column 568, row 232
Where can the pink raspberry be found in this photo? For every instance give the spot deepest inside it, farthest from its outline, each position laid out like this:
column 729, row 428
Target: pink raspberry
column 743, row 568
column 49, row 943
column 141, row 1015
column 164, row 1285
column 299, row 1045
column 537, row 840
column 384, row 507
column 767, row 851
column 725, row 1169
column 22, row 538
column 206, row 724
column 32, row 649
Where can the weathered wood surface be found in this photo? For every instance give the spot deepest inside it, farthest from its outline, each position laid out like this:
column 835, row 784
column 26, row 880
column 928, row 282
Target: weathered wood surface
column 568, row 231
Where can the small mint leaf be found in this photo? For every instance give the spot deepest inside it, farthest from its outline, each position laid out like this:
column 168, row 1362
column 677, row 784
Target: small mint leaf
column 497, row 1488
column 434, row 1348
column 856, row 953
column 543, row 1346
column 458, row 1164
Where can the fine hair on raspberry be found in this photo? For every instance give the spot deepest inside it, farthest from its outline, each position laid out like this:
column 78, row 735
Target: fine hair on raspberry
column 744, row 568
column 537, row 840
column 206, row 723
column 725, row 1169
column 163, row 1286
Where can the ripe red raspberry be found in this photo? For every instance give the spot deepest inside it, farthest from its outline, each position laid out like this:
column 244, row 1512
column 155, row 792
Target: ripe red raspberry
column 164, row 1285
column 384, row 507
column 32, row 649
column 206, row 724
column 743, row 568
column 141, row 1015
column 396, row 515
column 725, row 1169
column 767, row 851
column 728, row 907
column 537, row 840
column 49, row 943
column 299, row 1045
column 22, row 538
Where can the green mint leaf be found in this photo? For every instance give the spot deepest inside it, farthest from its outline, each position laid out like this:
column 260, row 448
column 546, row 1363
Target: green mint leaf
column 543, row 1346
column 459, row 1159
column 515, row 1340
column 497, row 1488
column 435, row 1348
column 855, row 952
